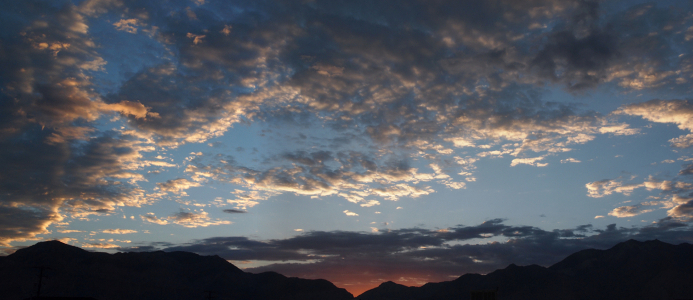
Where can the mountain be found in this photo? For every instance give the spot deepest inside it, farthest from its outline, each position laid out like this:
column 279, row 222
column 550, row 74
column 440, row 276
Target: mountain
column 71, row 271
column 629, row 270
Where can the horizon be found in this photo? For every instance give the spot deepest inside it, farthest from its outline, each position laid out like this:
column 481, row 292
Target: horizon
column 357, row 142
column 361, row 292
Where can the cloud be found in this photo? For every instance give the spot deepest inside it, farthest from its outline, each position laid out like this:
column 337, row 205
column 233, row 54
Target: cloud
column 196, row 38
column 100, row 245
column 92, row 177
column 579, row 61
column 356, row 177
column 370, row 203
column 119, row 231
column 350, row 213
column 569, row 160
column 673, row 195
column 22, row 223
column 528, row 161
column 62, row 164
column 177, row 186
column 234, row 211
column 151, row 218
column 629, row 211
column 679, row 112
column 368, row 258
column 129, row 25
column 254, row 73
column 601, row 188
column 398, row 91
column 128, row 108
column 683, row 211
column 69, row 230
column 189, row 219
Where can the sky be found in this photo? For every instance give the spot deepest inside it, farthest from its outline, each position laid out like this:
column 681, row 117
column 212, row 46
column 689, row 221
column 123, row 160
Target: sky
column 355, row 141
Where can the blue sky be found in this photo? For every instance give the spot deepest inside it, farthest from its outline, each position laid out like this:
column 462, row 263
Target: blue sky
column 354, row 141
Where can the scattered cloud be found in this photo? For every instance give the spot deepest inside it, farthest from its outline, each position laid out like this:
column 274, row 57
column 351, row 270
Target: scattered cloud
column 387, row 254
column 129, row 25
column 190, row 219
column 177, row 186
column 100, row 245
column 528, row 161
column 350, row 213
column 629, row 211
column 370, row 203
column 411, row 99
column 679, row 112
column 119, row 231
column 151, row 218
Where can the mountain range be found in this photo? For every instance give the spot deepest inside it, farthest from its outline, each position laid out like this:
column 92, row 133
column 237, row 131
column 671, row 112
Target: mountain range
column 71, row 271
column 629, row 270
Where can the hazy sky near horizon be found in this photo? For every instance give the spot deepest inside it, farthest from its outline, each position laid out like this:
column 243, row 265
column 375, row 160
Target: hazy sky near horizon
column 357, row 141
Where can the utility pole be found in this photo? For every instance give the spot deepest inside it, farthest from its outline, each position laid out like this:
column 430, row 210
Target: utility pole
column 209, row 295
column 41, row 268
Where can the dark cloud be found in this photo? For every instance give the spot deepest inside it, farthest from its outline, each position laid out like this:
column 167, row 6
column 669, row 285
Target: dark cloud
column 687, row 170
column 422, row 255
column 45, row 179
column 419, row 242
column 409, row 77
column 392, row 73
column 579, row 62
column 55, row 162
column 24, row 222
column 235, row 211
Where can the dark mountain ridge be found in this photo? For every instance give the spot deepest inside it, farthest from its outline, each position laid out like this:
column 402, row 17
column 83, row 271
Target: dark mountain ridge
column 71, row 271
column 629, row 270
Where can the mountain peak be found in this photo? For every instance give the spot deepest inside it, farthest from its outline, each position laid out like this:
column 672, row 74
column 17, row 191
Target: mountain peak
column 52, row 246
column 634, row 244
column 389, row 283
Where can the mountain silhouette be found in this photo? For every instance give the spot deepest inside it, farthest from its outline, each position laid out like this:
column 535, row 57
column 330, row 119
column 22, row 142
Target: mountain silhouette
column 629, row 270
column 71, row 271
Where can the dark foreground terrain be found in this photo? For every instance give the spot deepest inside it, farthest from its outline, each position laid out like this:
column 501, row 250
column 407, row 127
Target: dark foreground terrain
column 146, row 275
column 629, row 270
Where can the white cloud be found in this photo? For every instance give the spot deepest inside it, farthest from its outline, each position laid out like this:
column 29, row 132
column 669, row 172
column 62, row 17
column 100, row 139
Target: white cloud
column 119, row 231
column 598, row 189
column 351, row 214
column 528, row 161
column 177, row 186
column 628, row 211
column 127, row 25
column 370, row 203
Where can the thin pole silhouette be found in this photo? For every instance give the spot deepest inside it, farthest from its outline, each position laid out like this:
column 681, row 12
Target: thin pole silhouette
column 41, row 268
column 209, row 295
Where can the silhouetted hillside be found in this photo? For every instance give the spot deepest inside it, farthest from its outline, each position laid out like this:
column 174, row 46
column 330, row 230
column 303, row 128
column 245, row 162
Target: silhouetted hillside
column 629, row 270
column 146, row 275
